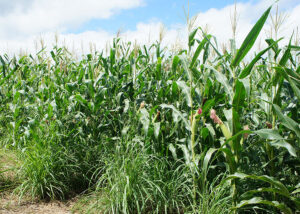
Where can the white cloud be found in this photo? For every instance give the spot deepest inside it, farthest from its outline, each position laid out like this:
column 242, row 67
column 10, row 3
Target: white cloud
column 217, row 20
column 23, row 18
column 8, row 6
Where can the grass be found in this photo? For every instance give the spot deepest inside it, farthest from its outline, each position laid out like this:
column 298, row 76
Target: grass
column 8, row 170
column 134, row 181
column 148, row 130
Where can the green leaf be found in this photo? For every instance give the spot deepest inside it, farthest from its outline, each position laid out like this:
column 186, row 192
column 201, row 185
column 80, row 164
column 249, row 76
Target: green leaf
column 228, row 116
column 186, row 67
column 276, row 140
column 186, row 153
column 80, row 99
column 9, row 75
column 221, row 78
column 81, row 75
column 229, row 159
column 192, row 36
column 3, row 66
column 211, row 130
column 250, row 193
column 258, row 200
column 285, row 57
column 208, row 105
column 236, row 136
column 239, row 96
column 173, row 151
column 112, row 57
column 236, row 128
column 186, row 91
column 284, row 144
column 286, row 121
column 53, row 55
column 206, row 52
column 277, row 184
column 246, row 71
column 271, row 42
column 158, row 67
column 250, row 39
column 50, row 111
column 175, row 63
column 207, row 158
column 210, row 43
column 294, row 47
column 295, row 74
column 294, row 87
column 269, row 134
column 177, row 114
column 296, row 191
column 197, row 52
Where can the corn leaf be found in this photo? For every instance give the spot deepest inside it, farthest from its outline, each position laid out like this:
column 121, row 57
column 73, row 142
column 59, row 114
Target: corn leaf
column 250, row 39
column 197, row 52
column 258, row 200
column 286, row 121
column 175, row 63
column 246, row 71
column 192, row 37
column 221, row 78
column 176, row 115
column 277, row 184
column 186, row 91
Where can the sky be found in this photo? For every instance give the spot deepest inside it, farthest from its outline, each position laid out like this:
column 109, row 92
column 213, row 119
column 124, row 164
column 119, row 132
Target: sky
column 79, row 23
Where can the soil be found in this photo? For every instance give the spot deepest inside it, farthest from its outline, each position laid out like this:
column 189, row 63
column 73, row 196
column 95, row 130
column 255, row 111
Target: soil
column 9, row 204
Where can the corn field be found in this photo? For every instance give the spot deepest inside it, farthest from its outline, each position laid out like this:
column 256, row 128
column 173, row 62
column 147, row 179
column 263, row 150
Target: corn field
column 144, row 129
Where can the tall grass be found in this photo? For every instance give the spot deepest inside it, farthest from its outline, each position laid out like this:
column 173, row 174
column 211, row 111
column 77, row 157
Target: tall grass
column 8, row 171
column 137, row 182
column 147, row 130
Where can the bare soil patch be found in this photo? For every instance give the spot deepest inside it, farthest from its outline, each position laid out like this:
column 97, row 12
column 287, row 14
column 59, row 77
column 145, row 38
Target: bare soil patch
column 9, row 204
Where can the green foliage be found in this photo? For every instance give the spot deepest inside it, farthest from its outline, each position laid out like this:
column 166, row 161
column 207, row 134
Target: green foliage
column 134, row 181
column 250, row 39
column 146, row 130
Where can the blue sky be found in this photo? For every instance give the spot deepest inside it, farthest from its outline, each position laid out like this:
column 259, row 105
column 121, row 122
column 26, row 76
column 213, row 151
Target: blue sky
column 82, row 23
column 169, row 12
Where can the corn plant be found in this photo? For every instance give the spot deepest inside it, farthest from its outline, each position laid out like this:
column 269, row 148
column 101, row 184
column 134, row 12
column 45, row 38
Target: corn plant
column 147, row 130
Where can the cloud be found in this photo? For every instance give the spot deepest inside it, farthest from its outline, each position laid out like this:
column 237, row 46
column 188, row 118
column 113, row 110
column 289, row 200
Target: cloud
column 8, row 6
column 217, row 20
column 23, row 18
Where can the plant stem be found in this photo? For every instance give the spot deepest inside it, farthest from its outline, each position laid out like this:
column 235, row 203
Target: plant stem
column 193, row 129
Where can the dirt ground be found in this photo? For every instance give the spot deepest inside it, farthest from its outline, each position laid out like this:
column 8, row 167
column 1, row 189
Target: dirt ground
column 9, row 204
